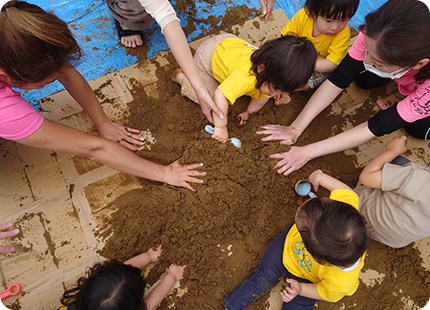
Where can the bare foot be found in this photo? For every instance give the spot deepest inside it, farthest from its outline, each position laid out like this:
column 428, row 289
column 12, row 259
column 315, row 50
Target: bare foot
column 132, row 41
column 178, row 76
column 381, row 104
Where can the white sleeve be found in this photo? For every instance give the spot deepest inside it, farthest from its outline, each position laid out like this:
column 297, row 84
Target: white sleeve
column 161, row 10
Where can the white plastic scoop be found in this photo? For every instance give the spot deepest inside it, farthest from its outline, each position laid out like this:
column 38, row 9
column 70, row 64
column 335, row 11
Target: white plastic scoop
column 303, row 188
column 236, row 142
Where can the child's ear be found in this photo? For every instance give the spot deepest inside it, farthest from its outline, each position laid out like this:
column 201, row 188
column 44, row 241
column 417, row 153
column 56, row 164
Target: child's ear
column 260, row 68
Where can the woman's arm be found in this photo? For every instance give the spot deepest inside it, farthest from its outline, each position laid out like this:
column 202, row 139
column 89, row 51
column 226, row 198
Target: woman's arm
column 175, row 37
column 371, row 176
column 81, row 91
column 61, row 138
column 298, row 156
column 323, row 96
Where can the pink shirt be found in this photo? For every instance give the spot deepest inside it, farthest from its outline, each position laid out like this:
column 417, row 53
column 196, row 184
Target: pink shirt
column 417, row 103
column 18, row 119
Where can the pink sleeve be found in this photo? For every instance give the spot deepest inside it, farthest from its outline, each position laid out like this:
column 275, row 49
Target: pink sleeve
column 358, row 49
column 417, row 104
column 18, row 119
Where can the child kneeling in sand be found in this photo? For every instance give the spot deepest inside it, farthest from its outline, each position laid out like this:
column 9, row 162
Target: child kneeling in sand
column 321, row 254
column 112, row 285
column 395, row 197
column 231, row 67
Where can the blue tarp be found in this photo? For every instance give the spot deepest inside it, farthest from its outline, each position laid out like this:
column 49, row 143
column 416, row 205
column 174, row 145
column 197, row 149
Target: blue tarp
column 93, row 26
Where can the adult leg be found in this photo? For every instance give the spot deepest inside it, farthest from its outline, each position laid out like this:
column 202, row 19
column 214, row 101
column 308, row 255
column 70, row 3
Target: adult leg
column 369, row 80
column 131, row 18
column 262, row 280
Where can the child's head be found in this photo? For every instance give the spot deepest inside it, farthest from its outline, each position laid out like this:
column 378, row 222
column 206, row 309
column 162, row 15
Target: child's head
column 34, row 44
column 330, row 16
column 399, row 32
column 284, row 64
column 333, row 232
column 332, row 9
column 107, row 286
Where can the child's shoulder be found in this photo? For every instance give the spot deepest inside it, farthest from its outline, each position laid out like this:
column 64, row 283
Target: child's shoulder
column 345, row 195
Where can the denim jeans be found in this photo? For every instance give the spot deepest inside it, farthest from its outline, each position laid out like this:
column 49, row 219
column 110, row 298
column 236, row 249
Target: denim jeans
column 270, row 269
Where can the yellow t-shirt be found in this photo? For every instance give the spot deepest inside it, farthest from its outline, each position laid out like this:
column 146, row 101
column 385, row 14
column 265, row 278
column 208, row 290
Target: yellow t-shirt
column 333, row 283
column 231, row 67
column 333, row 48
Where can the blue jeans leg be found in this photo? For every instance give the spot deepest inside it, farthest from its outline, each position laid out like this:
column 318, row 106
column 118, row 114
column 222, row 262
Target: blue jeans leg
column 400, row 161
column 267, row 274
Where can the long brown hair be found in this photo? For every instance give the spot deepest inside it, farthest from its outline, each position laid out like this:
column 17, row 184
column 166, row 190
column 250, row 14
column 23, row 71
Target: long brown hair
column 34, row 44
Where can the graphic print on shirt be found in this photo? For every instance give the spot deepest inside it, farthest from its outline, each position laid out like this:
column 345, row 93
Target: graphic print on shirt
column 420, row 104
column 302, row 256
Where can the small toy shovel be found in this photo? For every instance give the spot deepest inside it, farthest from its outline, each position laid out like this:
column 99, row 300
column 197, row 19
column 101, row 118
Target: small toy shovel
column 303, row 188
column 236, row 142
column 7, row 293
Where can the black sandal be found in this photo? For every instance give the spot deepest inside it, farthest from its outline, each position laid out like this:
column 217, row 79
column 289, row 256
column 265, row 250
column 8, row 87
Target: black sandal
column 124, row 33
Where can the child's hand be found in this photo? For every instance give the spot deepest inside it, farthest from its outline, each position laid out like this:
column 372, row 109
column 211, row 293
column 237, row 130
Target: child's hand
column 155, row 254
column 291, row 292
column 243, row 117
column 177, row 271
column 283, row 98
column 397, row 145
column 314, row 178
column 220, row 134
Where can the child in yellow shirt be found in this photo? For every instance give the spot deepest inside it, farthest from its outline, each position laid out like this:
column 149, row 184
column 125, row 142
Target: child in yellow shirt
column 321, row 254
column 231, row 67
column 325, row 24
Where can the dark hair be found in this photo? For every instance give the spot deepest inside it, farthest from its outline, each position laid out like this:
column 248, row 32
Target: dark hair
column 335, row 9
column 107, row 286
column 34, row 44
column 401, row 29
column 333, row 232
column 289, row 62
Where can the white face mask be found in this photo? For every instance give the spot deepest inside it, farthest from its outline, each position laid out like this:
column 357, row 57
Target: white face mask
column 389, row 75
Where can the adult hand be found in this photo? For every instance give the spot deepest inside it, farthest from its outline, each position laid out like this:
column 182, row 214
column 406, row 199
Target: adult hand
column 207, row 104
column 292, row 160
column 267, row 8
column 154, row 255
column 178, row 175
column 125, row 136
column 7, row 234
column 177, row 271
column 287, row 134
column 397, row 145
column 291, row 292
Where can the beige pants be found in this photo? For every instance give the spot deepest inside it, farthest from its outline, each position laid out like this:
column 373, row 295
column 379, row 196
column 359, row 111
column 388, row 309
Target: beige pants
column 203, row 60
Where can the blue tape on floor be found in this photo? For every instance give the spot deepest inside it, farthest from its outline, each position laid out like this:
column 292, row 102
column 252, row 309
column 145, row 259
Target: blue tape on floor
column 93, row 26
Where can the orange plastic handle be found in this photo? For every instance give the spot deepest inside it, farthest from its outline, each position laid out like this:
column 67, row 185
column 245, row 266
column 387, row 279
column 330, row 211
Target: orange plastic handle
column 9, row 292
